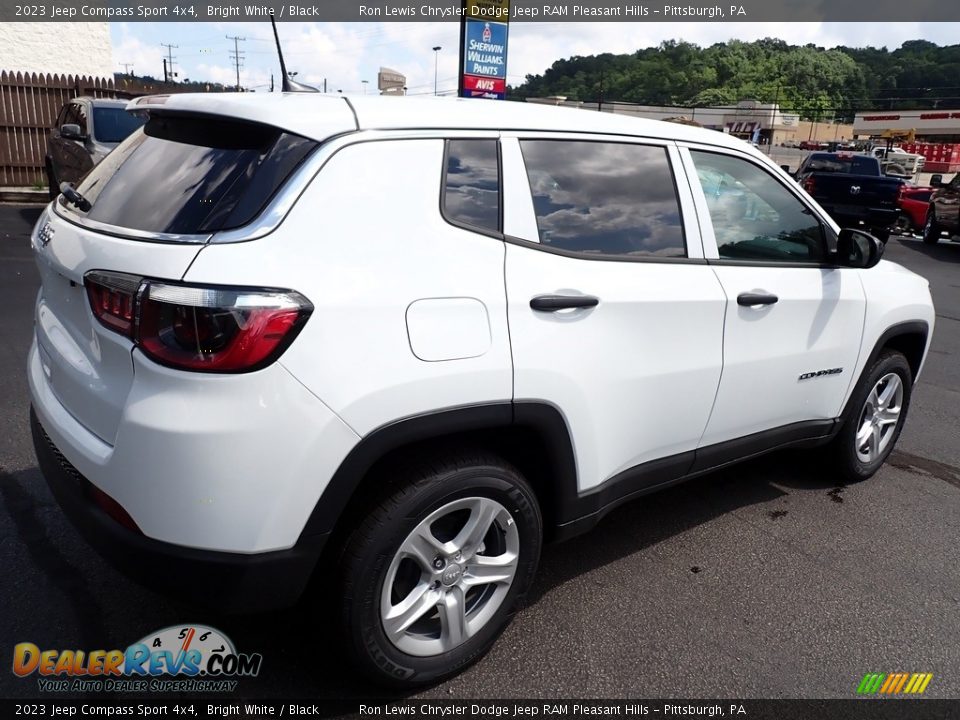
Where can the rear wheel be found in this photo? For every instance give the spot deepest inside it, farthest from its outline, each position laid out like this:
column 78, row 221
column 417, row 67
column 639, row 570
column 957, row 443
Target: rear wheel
column 875, row 416
column 931, row 231
column 435, row 571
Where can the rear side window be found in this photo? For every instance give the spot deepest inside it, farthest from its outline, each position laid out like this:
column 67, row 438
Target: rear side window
column 471, row 189
column 603, row 198
column 187, row 175
column 849, row 164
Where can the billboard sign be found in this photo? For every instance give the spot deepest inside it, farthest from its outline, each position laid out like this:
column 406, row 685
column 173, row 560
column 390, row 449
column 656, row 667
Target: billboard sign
column 483, row 49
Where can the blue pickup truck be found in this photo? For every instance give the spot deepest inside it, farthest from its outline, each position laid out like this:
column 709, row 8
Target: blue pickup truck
column 853, row 190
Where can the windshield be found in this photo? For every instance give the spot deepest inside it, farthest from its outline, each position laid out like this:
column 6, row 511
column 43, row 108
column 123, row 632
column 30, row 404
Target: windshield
column 113, row 124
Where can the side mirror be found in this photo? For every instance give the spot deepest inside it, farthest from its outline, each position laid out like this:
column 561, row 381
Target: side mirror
column 858, row 249
column 70, row 131
column 785, row 168
column 936, row 180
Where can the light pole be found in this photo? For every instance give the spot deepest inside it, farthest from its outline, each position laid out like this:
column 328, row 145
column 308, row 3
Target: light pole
column 436, row 57
column 364, row 84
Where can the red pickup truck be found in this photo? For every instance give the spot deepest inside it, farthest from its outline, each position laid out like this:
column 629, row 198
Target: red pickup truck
column 914, row 201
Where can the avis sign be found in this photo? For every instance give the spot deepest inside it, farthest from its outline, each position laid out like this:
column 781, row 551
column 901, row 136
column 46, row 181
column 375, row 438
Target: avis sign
column 483, row 59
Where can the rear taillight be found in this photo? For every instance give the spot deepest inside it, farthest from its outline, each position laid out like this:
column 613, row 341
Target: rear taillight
column 809, row 184
column 113, row 297
column 191, row 327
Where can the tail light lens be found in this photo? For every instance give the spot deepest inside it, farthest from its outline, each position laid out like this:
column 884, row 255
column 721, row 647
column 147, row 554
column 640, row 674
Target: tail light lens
column 809, row 184
column 112, row 299
column 191, row 327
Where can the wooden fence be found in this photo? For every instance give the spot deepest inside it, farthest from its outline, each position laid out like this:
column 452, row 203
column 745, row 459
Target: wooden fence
column 29, row 103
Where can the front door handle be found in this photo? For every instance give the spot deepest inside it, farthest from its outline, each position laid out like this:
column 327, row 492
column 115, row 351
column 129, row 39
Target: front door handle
column 749, row 299
column 552, row 303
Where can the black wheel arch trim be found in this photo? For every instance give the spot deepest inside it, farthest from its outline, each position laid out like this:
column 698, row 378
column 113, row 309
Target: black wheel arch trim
column 542, row 417
column 567, row 511
column 910, row 327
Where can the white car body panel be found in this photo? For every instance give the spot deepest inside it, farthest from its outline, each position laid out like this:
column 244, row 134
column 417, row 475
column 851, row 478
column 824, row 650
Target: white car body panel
column 357, row 269
column 767, row 348
column 413, row 315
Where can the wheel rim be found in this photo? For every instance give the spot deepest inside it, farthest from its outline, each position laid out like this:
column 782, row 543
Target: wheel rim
column 879, row 418
column 449, row 576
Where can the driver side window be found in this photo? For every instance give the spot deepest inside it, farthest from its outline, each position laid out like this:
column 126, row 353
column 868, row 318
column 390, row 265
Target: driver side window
column 754, row 217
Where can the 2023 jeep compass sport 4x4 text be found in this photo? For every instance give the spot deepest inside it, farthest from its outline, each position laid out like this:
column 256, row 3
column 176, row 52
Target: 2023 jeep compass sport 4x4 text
column 408, row 340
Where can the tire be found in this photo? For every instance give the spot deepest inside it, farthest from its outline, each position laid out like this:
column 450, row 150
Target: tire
column 931, row 231
column 52, row 186
column 870, row 424
column 379, row 571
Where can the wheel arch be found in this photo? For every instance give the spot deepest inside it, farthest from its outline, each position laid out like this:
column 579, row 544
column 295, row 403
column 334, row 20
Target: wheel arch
column 533, row 436
column 909, row 338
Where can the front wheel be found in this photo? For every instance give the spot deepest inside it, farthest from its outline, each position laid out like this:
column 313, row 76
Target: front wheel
column 875, row 416
column 434, row 573
column 931, row 230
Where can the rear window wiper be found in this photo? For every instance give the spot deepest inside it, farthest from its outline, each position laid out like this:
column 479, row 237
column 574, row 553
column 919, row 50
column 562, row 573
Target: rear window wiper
column 75, row 198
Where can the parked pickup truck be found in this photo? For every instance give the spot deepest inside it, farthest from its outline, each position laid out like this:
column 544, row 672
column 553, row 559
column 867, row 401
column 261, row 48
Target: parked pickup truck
column 894, row 160
column 853, row 190
column 943, row 216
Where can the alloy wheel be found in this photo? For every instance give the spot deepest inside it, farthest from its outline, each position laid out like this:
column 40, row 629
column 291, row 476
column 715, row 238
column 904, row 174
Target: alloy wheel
column 879, row 418
column 449, row 576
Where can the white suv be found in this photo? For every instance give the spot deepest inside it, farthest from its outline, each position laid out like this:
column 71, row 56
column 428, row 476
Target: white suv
column 410, row 339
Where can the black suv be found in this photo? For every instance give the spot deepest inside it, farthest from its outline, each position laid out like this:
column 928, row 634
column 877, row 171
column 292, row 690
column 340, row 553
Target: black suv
column 85, row 130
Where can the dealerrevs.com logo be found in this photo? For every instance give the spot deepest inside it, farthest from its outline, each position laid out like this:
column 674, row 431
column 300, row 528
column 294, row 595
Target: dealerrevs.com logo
column 180, row 658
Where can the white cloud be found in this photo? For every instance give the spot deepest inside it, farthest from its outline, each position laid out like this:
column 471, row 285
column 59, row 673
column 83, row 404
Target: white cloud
column 347, row 53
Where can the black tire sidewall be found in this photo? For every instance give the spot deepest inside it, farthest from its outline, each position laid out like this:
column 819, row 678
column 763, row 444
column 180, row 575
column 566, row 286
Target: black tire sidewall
column 931, row 231
column 52, row 186
column 374, row 651
column 845, row 443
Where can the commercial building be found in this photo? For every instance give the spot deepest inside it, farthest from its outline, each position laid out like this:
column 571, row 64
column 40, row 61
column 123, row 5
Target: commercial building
column 929, row 126
column 751, row 120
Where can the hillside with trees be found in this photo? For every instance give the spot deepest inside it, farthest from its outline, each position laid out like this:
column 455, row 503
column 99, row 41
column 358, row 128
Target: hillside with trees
column 810, row 80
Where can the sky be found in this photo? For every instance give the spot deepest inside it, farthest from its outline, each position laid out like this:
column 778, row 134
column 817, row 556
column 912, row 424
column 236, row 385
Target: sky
column 349, row 55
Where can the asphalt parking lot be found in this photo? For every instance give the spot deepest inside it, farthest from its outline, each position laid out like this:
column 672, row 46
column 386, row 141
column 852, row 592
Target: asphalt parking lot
column 768, row 580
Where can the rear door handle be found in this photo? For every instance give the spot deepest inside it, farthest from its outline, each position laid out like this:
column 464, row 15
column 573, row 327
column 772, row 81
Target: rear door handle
column 748, row 299
column 552, row 303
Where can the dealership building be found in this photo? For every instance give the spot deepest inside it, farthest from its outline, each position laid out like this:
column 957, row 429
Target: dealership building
column 928, row 126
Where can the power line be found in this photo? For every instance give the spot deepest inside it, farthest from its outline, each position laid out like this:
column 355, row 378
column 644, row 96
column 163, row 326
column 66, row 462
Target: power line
column 237, row 55
column 168, row 73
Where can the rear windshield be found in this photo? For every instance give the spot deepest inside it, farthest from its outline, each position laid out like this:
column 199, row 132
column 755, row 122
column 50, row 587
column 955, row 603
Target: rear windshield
column 851, row 164
column 187, row 175
column 113, row 124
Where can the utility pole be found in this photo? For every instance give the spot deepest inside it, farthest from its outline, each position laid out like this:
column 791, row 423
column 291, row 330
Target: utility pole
column 165, row 70
column 168, row 66
column 127, row 69
column 237, row 55
column 271, row 82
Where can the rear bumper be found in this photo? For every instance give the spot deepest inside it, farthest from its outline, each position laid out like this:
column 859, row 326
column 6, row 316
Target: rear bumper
column 232, row 582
